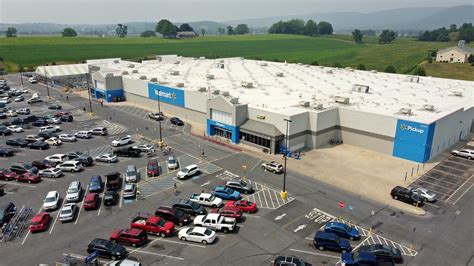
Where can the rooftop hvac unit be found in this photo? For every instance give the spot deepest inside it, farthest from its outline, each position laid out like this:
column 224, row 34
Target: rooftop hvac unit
column 202, row 89
column 143, row 77
column 131, row 65
column 210, row 76
column 116, row 61
column 234, row 100
column 109, row 75
column 174, row 72
column 279, row 74
column 153, row 79
column 429, row 107
column 124, row 72
column 361, row 88
column 329, row 71
column 225, row 93
column 457, row 93
column 135, row 71
column 163, row 82
column 342, row 99
column 263, row 64
column 177, row 62
column 180, row 84
column 373, row 71
column 220, row 65
column 304, row 104
column 159, row 58
column 202, row 58
column 318, row 106
column 216, row 92
column 406, row 111
column 413, row 79
column 246, row 84
column 221, row 61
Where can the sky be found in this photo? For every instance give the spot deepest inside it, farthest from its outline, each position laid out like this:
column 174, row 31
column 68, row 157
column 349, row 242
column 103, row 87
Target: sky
column 113, row 11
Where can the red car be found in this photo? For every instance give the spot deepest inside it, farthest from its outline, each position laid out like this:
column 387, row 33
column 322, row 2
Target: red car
column 134, row 237
column 152, row 224
column 40, row 222
column 91, row 201
column 229, row 212
column 7, row 175
column 243, row 205
column 28, row 177
column 152, row 168
column 59, row 114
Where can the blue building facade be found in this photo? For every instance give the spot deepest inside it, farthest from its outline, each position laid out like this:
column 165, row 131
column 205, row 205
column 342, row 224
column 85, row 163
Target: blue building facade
column 166, row 94
column 108, row 95
column 227, row 131
column 413, row 141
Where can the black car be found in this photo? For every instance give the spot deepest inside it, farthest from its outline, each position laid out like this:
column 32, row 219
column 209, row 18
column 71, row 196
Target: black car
column 406, row 195
column 40, row 123
column 6, row 123
column 17, row 142
column 47, row 134
column 383, row 252
column 85, row 160
column 6, row 152
column 127, row 152
column 110, row 198
column 289, row 261
column 32, row 118
column 176, row 216
column 19, row 121
column 4, row 131
column 67, row 118
column 44, row 164
column 107, row 249
column 21, row 168
column 38, row 145
column 189, row 207
column 55, row 106
column 7, row 211
column 3, row 116
column 74, row 154
column 176, row 121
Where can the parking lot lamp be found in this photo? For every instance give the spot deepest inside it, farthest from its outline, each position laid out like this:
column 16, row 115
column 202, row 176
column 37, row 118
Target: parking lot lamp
column 284, row 194
column 89, row 94
column 159, row 121
column 47, row 87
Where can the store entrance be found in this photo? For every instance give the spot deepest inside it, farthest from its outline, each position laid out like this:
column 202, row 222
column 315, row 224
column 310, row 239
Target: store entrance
column 222, row 132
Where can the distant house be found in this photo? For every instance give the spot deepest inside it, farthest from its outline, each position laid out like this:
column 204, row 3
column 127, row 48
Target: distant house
column 456, row 54
column 186, row 34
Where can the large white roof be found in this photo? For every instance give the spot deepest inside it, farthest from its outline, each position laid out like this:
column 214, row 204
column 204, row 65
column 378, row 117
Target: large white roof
column 427, row 98
column 62, row 70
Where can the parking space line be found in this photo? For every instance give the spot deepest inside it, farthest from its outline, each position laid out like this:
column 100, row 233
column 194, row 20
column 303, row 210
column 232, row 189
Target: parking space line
column 16, row 184
column 277, row 198
column 315, row 253
column 270, row 196
column 82, row 204
column 180, row 243
column 156, row 254
column 57, row 216
column 432, row 177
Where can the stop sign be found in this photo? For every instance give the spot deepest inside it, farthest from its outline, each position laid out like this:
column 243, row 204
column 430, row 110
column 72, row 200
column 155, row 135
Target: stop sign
column 341, row 204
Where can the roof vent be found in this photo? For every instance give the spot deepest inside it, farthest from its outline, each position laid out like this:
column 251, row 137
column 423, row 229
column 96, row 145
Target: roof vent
column 414, row 79
column 177, row 62
column 202, row 58
column 210, row 76
column 143, row 77
column 361, row 88
column 373, row 71
column 216, row 92
column 109, row 75
column 163, row 82
column 329, row 71
column 318, row 106
column 263, row 64
column 135, row 71
column 342, row 99
column 180, row 84
column 429, row 107
column 153, row 79
column 457, row 93
column 279, row 74
column 116, row 61
column 221, row 61
column 406, row 111
column 246, row 84
column 203, row 89
column 124, row 72
column 225, row 93
column 304, row 104
column 174, row 72
column 234, row 100
column 131, row 65
column 220, row 65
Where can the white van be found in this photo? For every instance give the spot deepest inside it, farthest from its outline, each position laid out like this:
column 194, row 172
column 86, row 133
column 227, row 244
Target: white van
column 71, row 166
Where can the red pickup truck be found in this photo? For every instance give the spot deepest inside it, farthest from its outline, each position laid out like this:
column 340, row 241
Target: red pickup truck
column 152, row 225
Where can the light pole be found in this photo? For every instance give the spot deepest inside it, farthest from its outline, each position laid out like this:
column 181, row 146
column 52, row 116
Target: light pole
column 159, row 115
column 89, row 94
column 47, row 87
column 284, row 194
column 413, row 238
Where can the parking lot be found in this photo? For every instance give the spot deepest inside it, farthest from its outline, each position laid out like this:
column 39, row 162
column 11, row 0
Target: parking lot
column 280, row 226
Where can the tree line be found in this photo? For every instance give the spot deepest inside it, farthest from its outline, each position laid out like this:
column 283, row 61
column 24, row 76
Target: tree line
column 299, row 27
column 453, row 33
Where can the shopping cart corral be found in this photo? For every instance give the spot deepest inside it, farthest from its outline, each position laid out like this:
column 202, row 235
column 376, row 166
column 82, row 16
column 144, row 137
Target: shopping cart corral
column 17, row 224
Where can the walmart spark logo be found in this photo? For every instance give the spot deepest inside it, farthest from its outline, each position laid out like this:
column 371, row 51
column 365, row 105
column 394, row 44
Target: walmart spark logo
column 169, row 95
column 405, row 127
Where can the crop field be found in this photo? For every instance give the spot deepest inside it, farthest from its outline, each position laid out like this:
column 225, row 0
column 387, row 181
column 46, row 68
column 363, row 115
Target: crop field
column 404, row 54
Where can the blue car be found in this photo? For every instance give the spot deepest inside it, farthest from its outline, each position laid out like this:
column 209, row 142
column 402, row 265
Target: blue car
column 364, row 258
column 95, row 185
column 323, row 240
column 227, row 193
column 342, row 230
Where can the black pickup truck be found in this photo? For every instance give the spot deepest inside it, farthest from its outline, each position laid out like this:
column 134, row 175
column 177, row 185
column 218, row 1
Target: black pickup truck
column 127, row 152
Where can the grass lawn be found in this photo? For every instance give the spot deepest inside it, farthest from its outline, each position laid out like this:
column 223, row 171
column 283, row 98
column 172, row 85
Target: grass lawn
column 404, row 53
column 447, row 70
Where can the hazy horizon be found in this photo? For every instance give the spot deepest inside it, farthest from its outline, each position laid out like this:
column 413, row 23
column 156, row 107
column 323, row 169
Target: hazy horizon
column 110, row 12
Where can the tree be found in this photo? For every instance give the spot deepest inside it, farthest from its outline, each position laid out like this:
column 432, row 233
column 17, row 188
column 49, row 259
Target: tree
column 221, row 31
column 148, row 33
column 337, row 65
column 166, row 28
column 69, row 32
column 121, row 30
column 230, row 30
column 11, row 32
column 241, row 29
column 471, row 59
column 390, row 69
column 361, row 67
column 419, row 71
column 185, row 27
column 311, row 28
column 314, row 63
column 466, row 32
column 357, row 34
column 203, row 32
column 387, row 36
column 453, row 28
column 325, row 28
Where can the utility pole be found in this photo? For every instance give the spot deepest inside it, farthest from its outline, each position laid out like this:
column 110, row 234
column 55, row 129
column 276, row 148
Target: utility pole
column 159, row 121
column 47, row 87
column 284, row 194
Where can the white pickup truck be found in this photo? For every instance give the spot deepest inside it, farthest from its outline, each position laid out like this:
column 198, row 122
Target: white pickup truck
column 216, row 222
column 207, row 199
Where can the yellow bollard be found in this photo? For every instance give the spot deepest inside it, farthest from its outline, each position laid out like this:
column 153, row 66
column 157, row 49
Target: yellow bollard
column 283, row 195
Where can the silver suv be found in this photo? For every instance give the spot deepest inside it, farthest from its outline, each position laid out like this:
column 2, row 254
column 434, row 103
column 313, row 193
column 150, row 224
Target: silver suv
column 242, row 186
column 466, row 153
column 131, row 174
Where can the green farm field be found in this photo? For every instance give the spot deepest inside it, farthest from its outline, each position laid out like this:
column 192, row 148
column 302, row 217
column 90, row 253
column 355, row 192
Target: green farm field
column 404, row 53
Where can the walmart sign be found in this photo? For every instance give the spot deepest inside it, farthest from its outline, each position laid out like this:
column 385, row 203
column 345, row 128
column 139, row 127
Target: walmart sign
column 166, row 94
column 413, row 140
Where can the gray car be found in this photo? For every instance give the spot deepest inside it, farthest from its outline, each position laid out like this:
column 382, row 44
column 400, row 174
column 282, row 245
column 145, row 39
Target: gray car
column 240, row 185
column 68, row 212
column 172, row 163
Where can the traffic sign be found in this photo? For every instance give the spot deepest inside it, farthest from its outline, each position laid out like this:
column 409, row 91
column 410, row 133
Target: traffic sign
column 244, row 166
column 350, row 207
column 91, row 257
column 341, row 204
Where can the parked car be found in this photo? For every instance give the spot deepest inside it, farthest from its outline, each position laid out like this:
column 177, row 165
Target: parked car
column 197, row 234
column 83, row 134
column 71, row 166
column 133, row 237
column 40, row 222
column 32, row 80
column 54, row 120
column 56, row 158
column 74, row 192
column 323, row 240
column 67, row 118
column 127, row 152
column 111, row 198
column 206, row 199
column 55, row 106
column 74, row 154
column 152, row 224
column 158, row 116
column 426, row 195
column 122, row 141
column 273, row 167
column 383, row 251
column 11, row 113
column 47, row 134
column 7, row 175
column 96, row 184
column 106, row 158
column 188, row 171
column 147, row 148
column 19, row 98
column 342, row 230
column 173, row 215
column 4, row 131
column 243, row 205
column 7, row 211
column 6, row 152
column 51, row 172
column 189, row 207
column 32, row 118
column 68, row 212
column 229, row 212
column 172, row 162
column 21, row 168
column 23, row 111
column 38, row 145
column 113, row 180
column 466, row 153
column 91, row 201
column 85, row 160
column 54, row 141
column 101, row 131
column 50, row 128
column 28, row 178
column 33, row 138
column 67, row 137
column 19, row 121
column 17, row 142
column 3, row 115
column 130, row 190
column 40, row 123
column 407, row 196
column 240, row 185
column 131, row 174
column 216, row 222
column 51, row 202
column 34, row 100
column 176, row 121
column 15, row 128
column 152, row 168
column 107, row 249
column 289, row 261
column 43, row 164
column 224, row 192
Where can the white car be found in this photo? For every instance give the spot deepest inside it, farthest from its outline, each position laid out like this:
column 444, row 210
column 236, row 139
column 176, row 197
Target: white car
column 50, row 128
column 122, row 141
column 54, row 120
column 426, row 194
column 83, row 134
column 124, row 262
column 148, row 148
column 51, row 202
column 67, row 138
column 11, row 113
column 32, row 80
column 188, row 171
column 23, row 111
column 51, row 172
column 56, row 158
column 106, row 158
column 15, row 128
column 74, row 192
column 5, row 100
column 172, row 162
column 130, row 190
column 19, row 99
column 466, row 153
column 24, row 91
column 54, row 141
column 68, row 212
column 197, row 234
